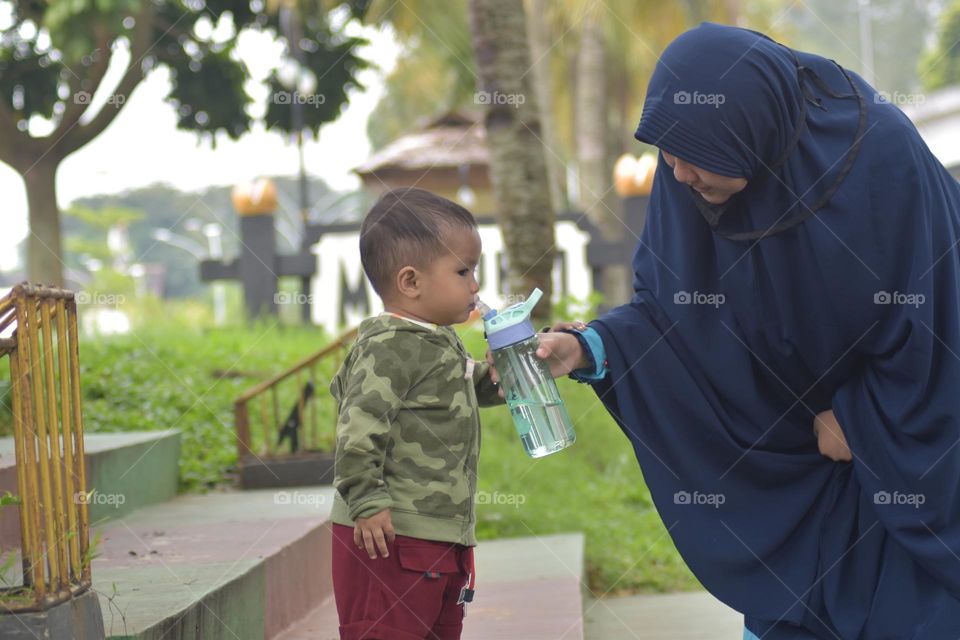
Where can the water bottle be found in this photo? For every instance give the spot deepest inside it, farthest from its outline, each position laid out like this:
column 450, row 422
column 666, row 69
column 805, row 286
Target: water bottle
column 529, row 389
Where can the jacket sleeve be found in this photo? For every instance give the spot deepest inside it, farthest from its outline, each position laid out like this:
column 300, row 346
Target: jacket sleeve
column 371, row 397
column 487, row 395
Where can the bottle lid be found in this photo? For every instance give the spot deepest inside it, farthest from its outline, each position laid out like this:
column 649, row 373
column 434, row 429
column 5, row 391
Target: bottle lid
column 513, row 324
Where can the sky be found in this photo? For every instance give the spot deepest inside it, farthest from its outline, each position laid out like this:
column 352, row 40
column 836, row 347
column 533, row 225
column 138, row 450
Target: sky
column 142, row 145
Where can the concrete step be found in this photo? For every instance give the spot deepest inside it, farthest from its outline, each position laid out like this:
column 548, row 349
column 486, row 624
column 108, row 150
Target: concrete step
column 528, row 588
column 231, row 566
column 678, row 616
column 125, row 471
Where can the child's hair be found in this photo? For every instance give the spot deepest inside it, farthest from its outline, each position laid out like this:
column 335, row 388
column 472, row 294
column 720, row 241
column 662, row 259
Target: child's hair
column 407, row 227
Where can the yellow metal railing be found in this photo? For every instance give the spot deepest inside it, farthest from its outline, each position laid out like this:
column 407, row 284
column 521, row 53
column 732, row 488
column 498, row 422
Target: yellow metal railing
column 261, row 438
column 44, row 364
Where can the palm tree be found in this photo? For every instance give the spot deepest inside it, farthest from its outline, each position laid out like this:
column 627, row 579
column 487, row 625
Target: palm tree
column 517, row 163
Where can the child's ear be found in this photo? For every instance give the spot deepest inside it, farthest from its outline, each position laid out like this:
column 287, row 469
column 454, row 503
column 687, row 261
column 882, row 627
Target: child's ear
column 408, row 282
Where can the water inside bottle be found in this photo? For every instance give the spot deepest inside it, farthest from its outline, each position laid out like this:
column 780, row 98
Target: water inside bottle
column 542, row 427
column 533, row 399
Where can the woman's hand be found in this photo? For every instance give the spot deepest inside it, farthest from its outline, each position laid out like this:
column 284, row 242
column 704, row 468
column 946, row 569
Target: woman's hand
column 562, row 351
column 830, row 439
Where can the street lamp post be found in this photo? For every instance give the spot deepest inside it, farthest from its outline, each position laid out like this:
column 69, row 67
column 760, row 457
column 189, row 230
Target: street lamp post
column 214, row 234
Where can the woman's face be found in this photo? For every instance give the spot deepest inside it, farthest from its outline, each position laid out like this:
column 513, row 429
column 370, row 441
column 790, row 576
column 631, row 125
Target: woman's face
column 714, row 188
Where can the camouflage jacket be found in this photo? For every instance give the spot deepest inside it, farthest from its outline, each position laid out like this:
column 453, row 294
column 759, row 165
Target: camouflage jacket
column 408, row 429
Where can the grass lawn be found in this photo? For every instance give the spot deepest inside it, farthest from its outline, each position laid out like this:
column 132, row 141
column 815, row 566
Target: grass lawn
column 167, row 375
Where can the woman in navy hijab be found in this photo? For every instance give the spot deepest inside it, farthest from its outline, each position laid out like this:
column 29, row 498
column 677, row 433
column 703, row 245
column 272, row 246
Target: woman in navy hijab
column 799, row 258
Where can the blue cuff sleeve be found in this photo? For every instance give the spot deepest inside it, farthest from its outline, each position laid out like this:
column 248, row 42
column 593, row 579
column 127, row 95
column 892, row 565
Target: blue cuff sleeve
column 592, row 343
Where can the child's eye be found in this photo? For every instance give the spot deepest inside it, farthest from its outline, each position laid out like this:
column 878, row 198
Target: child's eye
column 463, row 272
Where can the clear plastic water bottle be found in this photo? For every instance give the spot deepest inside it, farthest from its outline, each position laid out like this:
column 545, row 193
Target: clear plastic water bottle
column 531, row 393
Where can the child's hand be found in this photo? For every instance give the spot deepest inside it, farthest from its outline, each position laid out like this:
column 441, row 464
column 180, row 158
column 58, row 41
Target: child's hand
column 494, row 376
column 830, row 439
column 374, row 533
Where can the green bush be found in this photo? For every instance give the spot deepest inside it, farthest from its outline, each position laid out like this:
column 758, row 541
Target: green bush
column 161, row 377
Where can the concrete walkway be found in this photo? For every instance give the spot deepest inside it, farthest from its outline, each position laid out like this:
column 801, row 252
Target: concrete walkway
column 678, row 616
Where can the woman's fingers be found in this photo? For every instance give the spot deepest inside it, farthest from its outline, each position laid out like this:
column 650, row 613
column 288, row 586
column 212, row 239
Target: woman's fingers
column 544, row 351
column 830, row 438
column 575, row 325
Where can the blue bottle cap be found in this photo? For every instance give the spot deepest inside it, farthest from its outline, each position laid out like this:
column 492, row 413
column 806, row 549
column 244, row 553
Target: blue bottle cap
column 513, row 324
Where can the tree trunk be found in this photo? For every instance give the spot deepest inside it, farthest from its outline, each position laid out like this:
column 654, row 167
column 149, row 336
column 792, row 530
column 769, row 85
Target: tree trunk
column 596, row 195
column 44, row 248
column 540, row 46
column 517, row 164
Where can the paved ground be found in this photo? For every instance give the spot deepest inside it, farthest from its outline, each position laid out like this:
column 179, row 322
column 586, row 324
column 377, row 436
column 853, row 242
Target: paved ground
column 678, row 616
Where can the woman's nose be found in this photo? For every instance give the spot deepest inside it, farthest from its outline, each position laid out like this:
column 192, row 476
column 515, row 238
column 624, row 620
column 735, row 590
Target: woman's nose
column 683, row 173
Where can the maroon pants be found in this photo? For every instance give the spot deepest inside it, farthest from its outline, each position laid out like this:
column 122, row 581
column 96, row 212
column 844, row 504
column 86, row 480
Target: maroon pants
column 414, row 594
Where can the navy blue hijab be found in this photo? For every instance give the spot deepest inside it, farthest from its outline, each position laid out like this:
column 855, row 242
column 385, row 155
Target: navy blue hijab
column 830, row 281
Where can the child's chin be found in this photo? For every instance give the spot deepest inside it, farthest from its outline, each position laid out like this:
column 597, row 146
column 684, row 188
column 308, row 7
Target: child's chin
column 463, row 317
